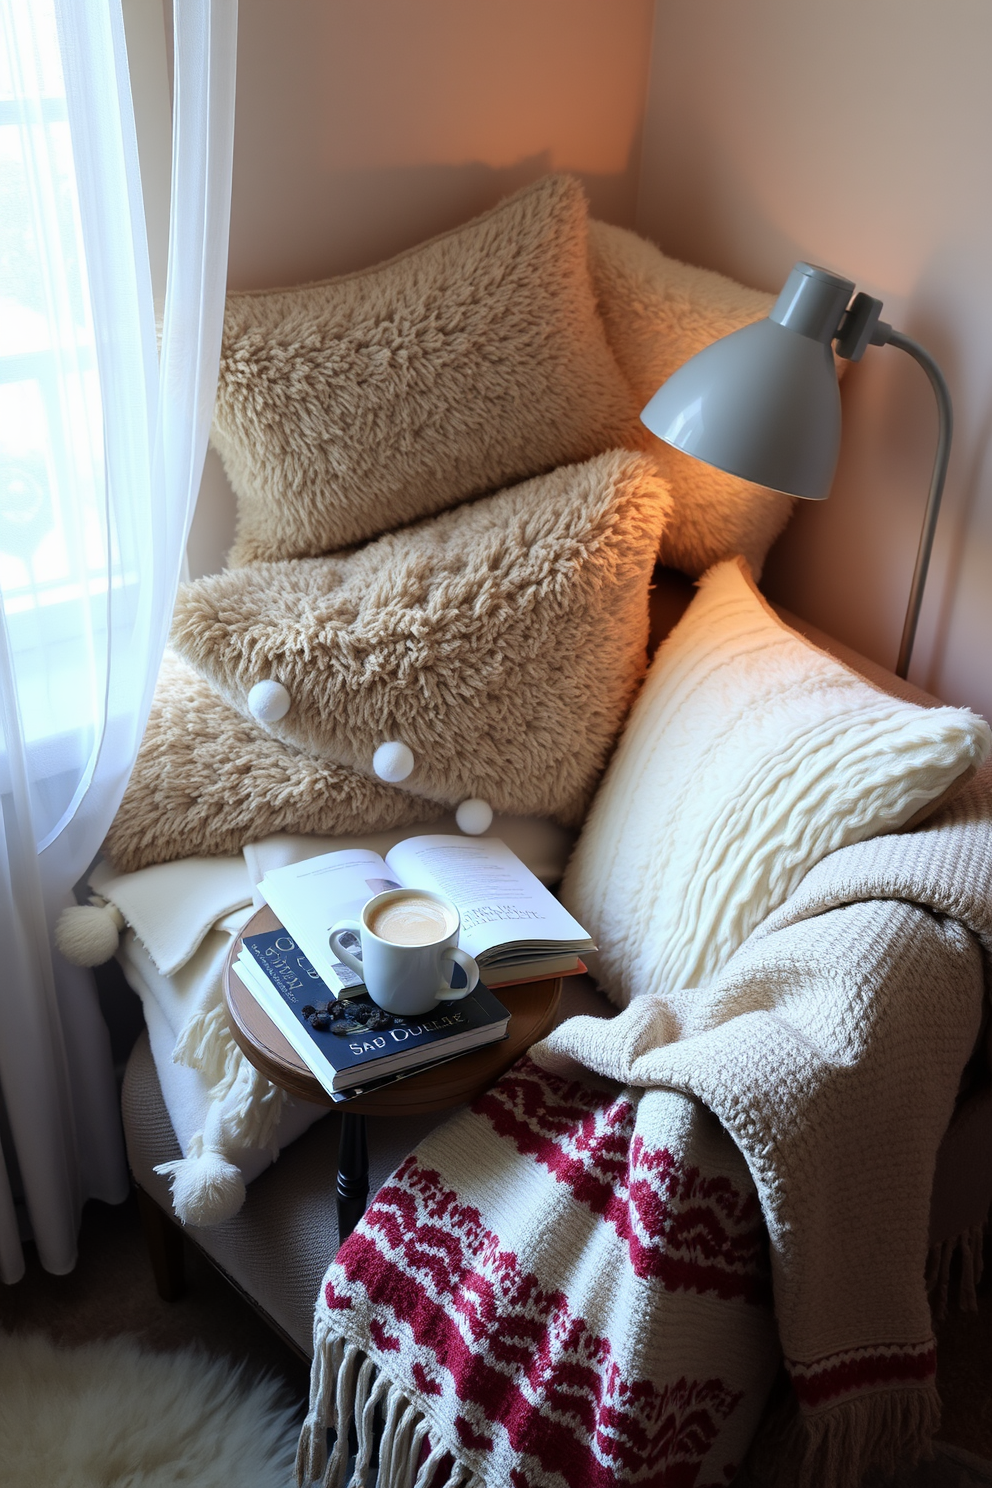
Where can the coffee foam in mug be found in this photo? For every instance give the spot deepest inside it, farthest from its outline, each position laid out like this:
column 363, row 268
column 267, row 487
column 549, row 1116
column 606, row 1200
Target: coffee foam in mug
column 411, row 920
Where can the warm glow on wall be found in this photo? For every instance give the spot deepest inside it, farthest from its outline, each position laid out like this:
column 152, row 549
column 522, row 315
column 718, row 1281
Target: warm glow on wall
column 365, row 126
column 855, row 135
column 442, row 82
column 847, row 159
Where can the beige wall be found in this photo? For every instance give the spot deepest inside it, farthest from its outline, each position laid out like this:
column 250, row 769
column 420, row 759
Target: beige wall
column 364, row 126
column 856, row 134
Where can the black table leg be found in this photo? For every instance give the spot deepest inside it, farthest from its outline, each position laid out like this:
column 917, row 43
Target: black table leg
column 353, row 1173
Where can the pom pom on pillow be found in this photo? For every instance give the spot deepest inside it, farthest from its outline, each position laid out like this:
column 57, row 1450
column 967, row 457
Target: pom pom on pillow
column 474, row 817
column 501, row 643
column 347, row 407
column 269, row 701
column 749, row 755
column 658, row 313
column 392, row 761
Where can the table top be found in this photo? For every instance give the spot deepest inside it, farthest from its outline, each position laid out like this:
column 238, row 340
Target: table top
column 533, row 1007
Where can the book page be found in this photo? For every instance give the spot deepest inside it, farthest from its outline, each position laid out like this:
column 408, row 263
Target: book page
column 310, row 898
column 500, row 900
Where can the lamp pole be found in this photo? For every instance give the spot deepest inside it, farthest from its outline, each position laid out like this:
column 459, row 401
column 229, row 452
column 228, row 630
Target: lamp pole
column 943, row 454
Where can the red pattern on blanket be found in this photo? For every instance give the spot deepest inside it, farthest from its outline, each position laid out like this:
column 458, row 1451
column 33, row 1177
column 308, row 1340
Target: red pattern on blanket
column 514, row 1353
column 839, row 1376
column 700, row 1233
column 529, row 1383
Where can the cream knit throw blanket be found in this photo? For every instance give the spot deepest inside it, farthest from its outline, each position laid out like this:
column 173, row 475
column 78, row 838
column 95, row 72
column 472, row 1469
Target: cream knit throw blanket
column 567, row 1285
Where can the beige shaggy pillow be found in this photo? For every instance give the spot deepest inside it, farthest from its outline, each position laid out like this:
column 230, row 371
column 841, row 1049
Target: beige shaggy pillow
column 208, row 780
column 502, row 642
column 749, row 755
column 349, row 406
column 657, row 314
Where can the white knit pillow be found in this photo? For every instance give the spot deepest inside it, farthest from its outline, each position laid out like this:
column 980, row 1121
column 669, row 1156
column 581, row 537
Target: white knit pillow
column 749, row 755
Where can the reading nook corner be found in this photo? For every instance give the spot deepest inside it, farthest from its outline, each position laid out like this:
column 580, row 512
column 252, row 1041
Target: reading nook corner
column 563, row 973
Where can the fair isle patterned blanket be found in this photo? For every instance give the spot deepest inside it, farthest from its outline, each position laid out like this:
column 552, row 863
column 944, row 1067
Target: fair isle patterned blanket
column 517, row 1335
column 591, row 1277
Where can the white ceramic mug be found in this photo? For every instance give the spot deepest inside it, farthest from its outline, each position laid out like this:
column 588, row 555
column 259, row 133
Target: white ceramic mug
column 403, row 978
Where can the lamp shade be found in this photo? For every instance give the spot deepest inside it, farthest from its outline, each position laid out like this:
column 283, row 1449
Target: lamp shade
column 763, row 402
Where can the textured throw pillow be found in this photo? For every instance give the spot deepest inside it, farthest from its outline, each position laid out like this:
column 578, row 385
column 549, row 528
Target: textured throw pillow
column 349, row 406
column 657, row 314
column 207, row 781
column 502, row 642
column 749, row 755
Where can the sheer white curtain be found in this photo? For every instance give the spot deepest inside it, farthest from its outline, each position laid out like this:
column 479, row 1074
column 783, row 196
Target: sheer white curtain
column 102, row 443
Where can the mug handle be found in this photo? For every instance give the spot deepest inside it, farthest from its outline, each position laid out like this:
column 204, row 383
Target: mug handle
column 353, row 962
column 468, row 966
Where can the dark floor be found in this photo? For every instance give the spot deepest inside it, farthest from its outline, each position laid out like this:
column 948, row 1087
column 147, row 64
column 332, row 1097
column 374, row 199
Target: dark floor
column 964, row 1375
column 111, row 1291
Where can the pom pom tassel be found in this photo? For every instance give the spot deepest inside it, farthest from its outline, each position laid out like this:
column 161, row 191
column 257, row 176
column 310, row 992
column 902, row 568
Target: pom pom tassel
column 206, row 1187
column 89, row 934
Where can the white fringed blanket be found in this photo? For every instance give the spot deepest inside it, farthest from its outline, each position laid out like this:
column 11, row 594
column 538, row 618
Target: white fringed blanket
column 566, row 1284
column 182, row 917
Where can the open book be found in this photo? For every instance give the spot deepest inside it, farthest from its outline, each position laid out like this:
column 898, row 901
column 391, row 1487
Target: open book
column 513, row 926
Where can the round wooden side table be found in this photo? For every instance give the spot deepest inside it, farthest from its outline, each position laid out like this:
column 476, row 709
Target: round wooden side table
column 533, row 1007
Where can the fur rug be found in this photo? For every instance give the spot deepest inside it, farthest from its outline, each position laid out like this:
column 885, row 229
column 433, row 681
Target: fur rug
column 110, row 1413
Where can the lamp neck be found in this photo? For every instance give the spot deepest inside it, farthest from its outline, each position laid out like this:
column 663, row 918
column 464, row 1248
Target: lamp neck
column 813, row 302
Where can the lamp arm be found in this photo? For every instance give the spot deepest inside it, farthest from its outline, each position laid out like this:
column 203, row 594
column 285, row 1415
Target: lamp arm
column 884, row 334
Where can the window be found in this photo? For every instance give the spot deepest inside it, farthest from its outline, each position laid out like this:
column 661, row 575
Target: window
column 59, row 548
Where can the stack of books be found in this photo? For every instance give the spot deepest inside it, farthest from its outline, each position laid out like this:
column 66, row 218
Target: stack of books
column 515, row 929
column 350, row 1044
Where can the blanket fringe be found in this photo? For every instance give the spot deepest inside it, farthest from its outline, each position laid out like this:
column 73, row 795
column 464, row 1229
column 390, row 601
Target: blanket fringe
column 205, row 1044
column 887, row 1431
column 884, row 1432
column 205, row 1040
column 349, row 1396
column 251, row 1117
column 954, row 1270
column 207, row 1185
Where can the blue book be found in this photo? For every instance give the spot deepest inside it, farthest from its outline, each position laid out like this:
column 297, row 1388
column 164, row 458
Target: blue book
column 284, row 982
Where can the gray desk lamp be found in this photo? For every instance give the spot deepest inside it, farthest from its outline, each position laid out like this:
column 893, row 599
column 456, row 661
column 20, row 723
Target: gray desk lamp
column 763, row 403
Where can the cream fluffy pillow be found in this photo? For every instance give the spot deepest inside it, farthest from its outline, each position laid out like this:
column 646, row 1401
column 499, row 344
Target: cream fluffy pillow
column 748, row 756
column 349, row 406
column 208, row 781
column 657, row 314
column 502, row 641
